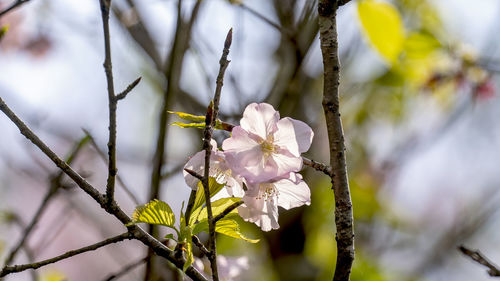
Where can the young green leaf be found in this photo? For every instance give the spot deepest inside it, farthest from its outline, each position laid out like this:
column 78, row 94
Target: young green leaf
column 213, row 186
column 187, row 116
column 189, row 125
column 218, row 207
column 189, row 254
column 185, row 238
column 155, row 212
column 170, row 236
column 231, row 228
column 382, row 24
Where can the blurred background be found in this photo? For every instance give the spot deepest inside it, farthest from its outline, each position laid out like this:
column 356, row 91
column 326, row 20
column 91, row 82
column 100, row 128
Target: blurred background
column 420, row 106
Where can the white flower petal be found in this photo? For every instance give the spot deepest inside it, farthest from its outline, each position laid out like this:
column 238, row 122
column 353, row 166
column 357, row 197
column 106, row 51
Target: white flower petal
column 260, row 119
column 292, row 195
column 197, row 164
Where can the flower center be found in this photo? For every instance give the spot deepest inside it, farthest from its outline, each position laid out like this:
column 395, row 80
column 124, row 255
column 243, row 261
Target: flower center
column 268, row 146
column 267, row 191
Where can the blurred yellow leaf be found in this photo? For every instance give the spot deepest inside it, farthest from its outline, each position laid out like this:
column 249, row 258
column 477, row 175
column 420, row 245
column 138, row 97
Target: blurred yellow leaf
column 53, row 275
column 3, row 30
column 420, row 45
column 383, row 26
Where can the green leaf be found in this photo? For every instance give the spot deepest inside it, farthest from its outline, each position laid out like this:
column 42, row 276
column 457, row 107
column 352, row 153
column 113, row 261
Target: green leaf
column 189, row 255
column 231, row 228
column 170, row 236
column 224, row 226
column 189, row 125
column 185, row 238
column 213, row 186
column 218, row 207
column 155, row 212
column 190, row 117
column 382, row 24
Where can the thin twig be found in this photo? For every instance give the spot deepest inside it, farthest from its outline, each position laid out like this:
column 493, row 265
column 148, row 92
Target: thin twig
column 172, row 172
column 212, row 112
column 138, row 31
column 228, row 210
column 126, row 269
column 27, row 250
column 194, row 174
column 327, row 170
column 18, row 268
column 190, row 205
column 99, row 151
column 113, row 209
column 264, row 19
column 477, row 256
column 108, row 69
column 55, row 183
column 327, row 11
column 342, row 2
column 129, row 88
column 13, row 6
column 200, row 245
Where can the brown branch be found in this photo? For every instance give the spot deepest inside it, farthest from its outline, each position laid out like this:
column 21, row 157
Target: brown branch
column 138, row 31
column 108, row 69
column 264, row 19
column 18, row 268
column 27, row 250
column 194, row 174
column 327, row 11
column 13, row 6
column 130, row 87
column 342, row 2
column 55, row 183
column 477, row 256
column 211, row 117
column 200, row 245
column 112, row 209
column 327, row 170
column 127, row 190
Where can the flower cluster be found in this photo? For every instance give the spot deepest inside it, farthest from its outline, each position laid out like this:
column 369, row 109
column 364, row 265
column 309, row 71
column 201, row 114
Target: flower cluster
column 259, row 163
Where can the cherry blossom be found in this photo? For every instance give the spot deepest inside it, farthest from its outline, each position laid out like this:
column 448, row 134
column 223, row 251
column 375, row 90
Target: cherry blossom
column 218, row 169
column 262, row 200
column 265, row 147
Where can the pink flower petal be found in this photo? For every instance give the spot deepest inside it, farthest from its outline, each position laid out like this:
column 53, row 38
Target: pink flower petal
column 239, row 140
column 260, row 119
column 197, row 164
column 285, row 163
column 264, row 213
column 294, row 135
